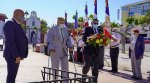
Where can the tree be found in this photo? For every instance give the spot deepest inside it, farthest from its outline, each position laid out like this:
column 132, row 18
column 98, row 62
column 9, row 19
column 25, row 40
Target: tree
column 44, row 26
column 34, row 27
column 132, row 22
column 80, row 19
column 70, row 25
column 91, row 17
column 73, row 17
column 147, row 17
column 43, row 29
column 113, row 25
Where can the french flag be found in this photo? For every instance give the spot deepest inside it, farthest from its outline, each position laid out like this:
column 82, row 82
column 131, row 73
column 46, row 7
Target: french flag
column 86, row 23
column 107, row 18
column 95, row 10
column 107, row 33
column 107, row 29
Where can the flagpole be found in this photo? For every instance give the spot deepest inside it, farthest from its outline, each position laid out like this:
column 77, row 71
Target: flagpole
column 95, row 9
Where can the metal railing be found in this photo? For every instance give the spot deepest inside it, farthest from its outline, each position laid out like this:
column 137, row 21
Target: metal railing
column 58, row 77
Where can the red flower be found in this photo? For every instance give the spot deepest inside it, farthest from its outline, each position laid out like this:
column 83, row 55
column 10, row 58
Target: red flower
column 104, row 41
column 98, row 36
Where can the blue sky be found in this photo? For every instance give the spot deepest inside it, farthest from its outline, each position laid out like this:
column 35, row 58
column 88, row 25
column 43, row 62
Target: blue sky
column 49, row 10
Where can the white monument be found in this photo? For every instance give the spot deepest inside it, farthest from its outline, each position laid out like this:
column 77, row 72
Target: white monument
column 33, row 26
column 2, row 22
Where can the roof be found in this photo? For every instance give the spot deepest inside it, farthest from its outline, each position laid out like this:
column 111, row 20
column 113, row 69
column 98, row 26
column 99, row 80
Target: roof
column 3, row 15
column 136, row 3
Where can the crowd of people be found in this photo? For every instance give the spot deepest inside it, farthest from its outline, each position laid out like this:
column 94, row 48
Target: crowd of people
column 59, row 41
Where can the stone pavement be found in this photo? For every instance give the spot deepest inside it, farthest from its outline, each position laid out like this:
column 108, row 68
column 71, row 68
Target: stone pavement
column 30, row 70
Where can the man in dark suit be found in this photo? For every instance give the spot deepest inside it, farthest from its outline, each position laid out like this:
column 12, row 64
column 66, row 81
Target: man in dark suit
column 101, row 50
column 16, row 44
column 91, row 53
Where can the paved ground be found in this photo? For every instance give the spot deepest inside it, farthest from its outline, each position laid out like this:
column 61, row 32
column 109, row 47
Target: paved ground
column 30, row 69
column 125, row 63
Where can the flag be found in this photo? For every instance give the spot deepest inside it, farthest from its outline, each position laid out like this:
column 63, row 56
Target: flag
column 107, row 17
column 66, row 19
column 107, row 28
column 95, row 10
column 86, row 23
column 76, row 20
column 107, row 33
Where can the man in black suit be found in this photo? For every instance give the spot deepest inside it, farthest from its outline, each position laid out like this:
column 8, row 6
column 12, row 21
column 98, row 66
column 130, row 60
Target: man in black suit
column 101, row 50
column 16, row 44
column 91, row 53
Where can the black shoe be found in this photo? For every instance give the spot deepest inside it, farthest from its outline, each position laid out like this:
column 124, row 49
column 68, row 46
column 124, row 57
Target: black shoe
column 136, row 78
column 133, row 76
column 110, row 70
column 100, row 67
column 70, row 60
column 113, row 71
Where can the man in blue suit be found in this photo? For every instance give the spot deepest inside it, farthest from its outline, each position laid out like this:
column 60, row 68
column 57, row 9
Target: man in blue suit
column 136, row 52
column 16, row 44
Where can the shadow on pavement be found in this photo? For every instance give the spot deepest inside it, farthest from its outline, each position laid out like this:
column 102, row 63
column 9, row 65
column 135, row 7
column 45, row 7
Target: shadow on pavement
column 142, row 81
column 127, row 76
column 119, row 74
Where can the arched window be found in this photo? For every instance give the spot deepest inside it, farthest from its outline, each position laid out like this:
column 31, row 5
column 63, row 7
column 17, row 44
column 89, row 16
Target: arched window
column 33, row 23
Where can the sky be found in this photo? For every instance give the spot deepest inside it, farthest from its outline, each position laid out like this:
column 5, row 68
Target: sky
column 49, row 10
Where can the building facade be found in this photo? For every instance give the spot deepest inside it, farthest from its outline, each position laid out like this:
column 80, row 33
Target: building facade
column 136, row 10
column 33, row 26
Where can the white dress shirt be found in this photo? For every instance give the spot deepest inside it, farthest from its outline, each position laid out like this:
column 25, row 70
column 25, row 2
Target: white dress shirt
column 95, row 30
column 72, row 41
column 133, row 42
column 80, row 43
column 118, row 38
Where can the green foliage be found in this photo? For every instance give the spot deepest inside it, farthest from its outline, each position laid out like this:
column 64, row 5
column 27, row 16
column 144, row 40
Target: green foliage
column 147, row 17
column 44, row 26
column 70, row 25
column 130, row 20
column 142, row 20
column 133, row 21
column 136, row 21
column 34, row 27
column 38, row 18
column 113, row 24
column 73, row 17
column 91, row 17
column 80, row 19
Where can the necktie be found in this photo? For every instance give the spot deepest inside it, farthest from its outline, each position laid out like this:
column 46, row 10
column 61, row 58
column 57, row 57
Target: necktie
column 61, row 30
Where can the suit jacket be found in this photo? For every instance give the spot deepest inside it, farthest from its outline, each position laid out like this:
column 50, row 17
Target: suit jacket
column 55, row 41
column 16, row 42
column 139, row 48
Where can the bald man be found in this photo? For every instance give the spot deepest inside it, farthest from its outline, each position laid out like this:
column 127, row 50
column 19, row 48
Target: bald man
column 16, row 44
